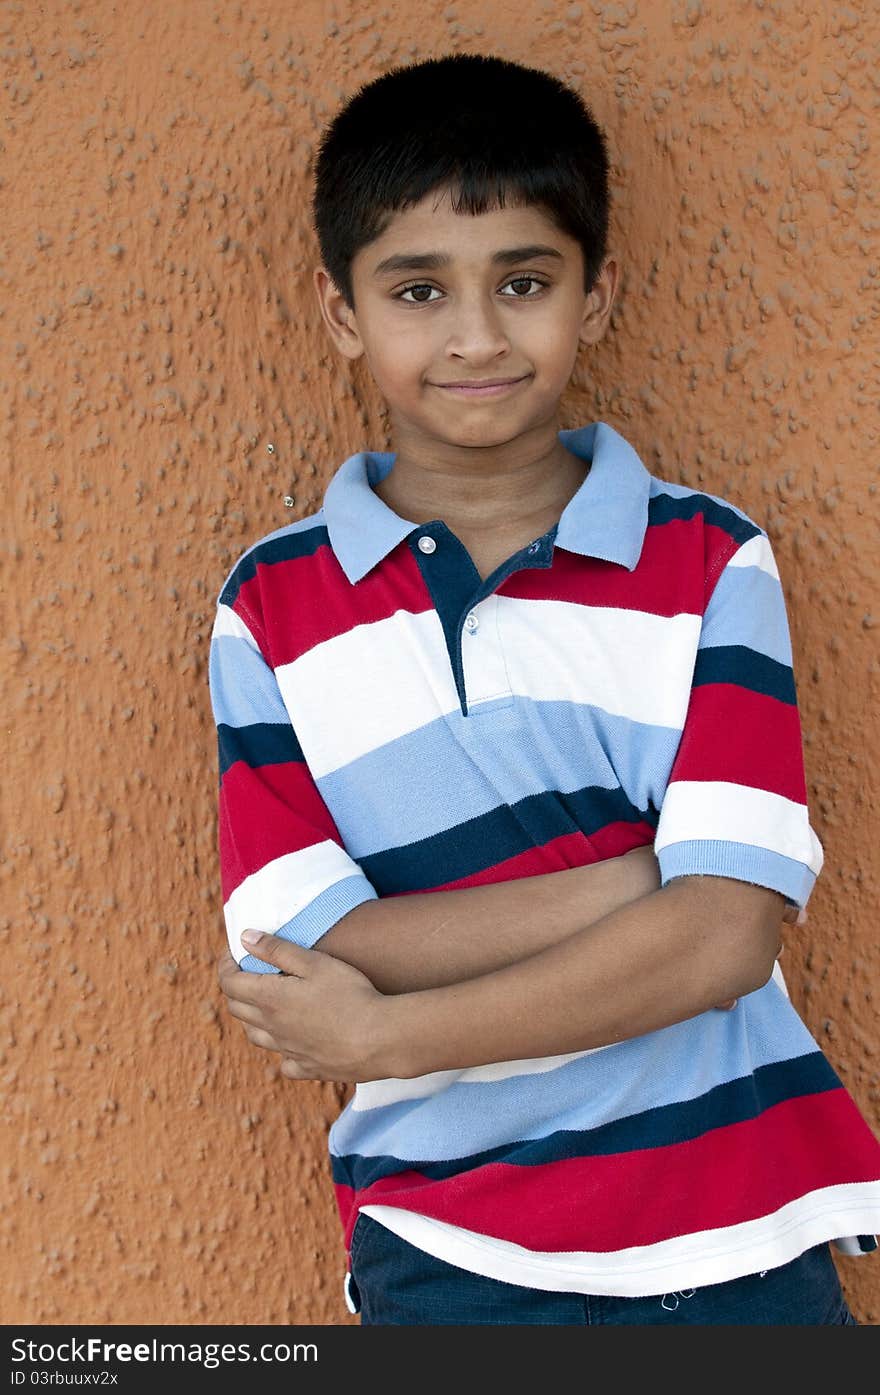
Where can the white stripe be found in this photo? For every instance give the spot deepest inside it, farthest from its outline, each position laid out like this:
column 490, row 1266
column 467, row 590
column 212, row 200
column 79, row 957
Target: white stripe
column 362, row 689
column 710, row 809
column 625, row 662
column 270, row 897
column 757, row 552
column 483, row 658
column 353, row 693
column 686, row 1261
column 227, row 622
column 375, row 1094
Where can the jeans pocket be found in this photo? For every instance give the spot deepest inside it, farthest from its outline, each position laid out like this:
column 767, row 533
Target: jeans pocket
column 357, row 1236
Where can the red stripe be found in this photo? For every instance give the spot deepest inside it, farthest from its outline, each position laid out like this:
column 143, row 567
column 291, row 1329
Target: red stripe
column 276, row 809
column 559, row 854
column 315, row 591
column 743, row 737
column 728, row 1176
column 345, row 1201
column 654, row 587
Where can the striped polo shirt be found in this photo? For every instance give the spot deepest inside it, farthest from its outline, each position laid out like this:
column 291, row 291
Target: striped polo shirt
column 389, row 722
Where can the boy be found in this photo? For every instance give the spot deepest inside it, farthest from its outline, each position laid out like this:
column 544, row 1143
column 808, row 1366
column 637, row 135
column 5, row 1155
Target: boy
column 506, row 664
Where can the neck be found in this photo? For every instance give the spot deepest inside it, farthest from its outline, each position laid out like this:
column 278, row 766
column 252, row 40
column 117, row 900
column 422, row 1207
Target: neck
column 483, row 489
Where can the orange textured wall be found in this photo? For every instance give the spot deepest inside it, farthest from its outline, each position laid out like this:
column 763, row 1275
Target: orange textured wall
column 159, row 332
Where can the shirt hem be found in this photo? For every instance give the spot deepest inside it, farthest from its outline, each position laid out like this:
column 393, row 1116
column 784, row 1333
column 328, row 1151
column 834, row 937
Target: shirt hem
column 706, row 1264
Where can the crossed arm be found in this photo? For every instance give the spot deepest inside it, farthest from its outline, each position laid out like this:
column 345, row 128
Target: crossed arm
column 402, row 986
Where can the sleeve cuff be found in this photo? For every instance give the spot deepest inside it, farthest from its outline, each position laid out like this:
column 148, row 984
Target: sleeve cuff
column 744, row 861
column 307, row 927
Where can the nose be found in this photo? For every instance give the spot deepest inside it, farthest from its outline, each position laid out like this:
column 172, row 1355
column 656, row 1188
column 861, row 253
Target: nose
column 477, row 333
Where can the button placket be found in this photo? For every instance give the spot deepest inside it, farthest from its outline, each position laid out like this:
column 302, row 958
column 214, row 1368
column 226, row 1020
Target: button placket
column 480, row 671
column 486, row 679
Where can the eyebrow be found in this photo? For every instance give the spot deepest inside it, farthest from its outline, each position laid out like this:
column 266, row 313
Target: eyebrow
column 433, row 261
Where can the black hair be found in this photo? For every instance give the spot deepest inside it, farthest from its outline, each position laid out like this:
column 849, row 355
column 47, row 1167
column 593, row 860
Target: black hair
column 484, row 127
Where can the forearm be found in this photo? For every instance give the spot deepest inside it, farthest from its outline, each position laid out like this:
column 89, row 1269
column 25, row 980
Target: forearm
column 410, row 943
column 648, row 964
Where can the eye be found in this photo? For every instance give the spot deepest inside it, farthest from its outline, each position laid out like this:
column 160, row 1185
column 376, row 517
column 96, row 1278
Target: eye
column 515, row 281
column 525, row 280
column 416, row 286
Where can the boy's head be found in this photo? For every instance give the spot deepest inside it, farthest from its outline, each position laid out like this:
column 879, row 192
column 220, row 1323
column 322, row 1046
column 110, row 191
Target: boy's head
column 490, row 129
column 462, row 209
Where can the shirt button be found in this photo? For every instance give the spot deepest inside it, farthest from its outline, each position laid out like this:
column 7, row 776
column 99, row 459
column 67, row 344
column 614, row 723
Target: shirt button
column 533, row 547
column 472, row 623
column 427, row 545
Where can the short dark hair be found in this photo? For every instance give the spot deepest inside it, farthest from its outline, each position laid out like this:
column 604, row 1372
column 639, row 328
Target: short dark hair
column 489, row 129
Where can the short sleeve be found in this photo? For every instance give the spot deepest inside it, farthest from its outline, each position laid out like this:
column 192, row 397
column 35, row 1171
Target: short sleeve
column 735, row 804
column 283, row 867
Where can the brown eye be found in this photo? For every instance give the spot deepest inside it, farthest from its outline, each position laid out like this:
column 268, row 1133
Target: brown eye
column 417, row 286
column 526, row 281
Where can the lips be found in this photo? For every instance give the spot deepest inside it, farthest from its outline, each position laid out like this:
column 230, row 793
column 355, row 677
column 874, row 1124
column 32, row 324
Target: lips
column 482, row 383
column 490, row 388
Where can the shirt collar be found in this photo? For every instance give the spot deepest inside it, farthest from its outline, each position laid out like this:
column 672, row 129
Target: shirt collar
column 606, row 517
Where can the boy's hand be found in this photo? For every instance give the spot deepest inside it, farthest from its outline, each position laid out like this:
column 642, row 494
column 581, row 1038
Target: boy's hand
column 792, row 915
column 320, row 1013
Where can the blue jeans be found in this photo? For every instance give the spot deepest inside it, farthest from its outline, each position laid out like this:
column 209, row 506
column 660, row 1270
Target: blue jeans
column 394, row 1282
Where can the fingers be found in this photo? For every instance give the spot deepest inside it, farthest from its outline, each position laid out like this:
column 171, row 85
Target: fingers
column 257, row 1037
column 250, row 1016
column 248, row 1013
column 226, row 965
column 240, row 986
column 300, row 1070
column 290, row 958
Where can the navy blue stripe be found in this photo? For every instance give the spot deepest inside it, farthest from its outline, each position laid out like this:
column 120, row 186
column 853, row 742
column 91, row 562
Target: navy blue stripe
column 501, row 833
column 263, row 743
column 287, row 548
column 726, row 1104
column 747, row 668
column 664, row 508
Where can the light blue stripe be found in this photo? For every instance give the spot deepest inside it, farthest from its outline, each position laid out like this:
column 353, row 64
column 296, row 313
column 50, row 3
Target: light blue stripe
column 745, row 861
column 675, row 1064
column 306, row 928
column 243, row 687
column 747, row 607
column 454, row 769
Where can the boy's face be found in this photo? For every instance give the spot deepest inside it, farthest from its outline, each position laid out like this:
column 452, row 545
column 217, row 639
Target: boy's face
column 423, row 328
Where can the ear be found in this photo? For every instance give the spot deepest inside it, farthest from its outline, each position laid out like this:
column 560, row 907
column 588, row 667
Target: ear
column 597, row 306
column 338, row 315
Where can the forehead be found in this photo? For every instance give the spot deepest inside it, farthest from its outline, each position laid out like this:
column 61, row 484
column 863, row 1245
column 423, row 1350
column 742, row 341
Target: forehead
column 433, row 226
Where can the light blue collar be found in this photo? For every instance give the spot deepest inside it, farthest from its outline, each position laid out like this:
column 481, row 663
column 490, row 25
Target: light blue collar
column 607, row 517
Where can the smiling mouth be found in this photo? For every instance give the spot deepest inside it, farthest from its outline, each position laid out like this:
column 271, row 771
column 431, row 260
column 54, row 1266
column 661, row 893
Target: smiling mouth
column 481, row 389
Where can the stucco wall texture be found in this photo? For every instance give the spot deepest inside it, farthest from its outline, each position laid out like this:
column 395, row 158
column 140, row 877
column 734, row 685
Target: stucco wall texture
column 159, row 335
